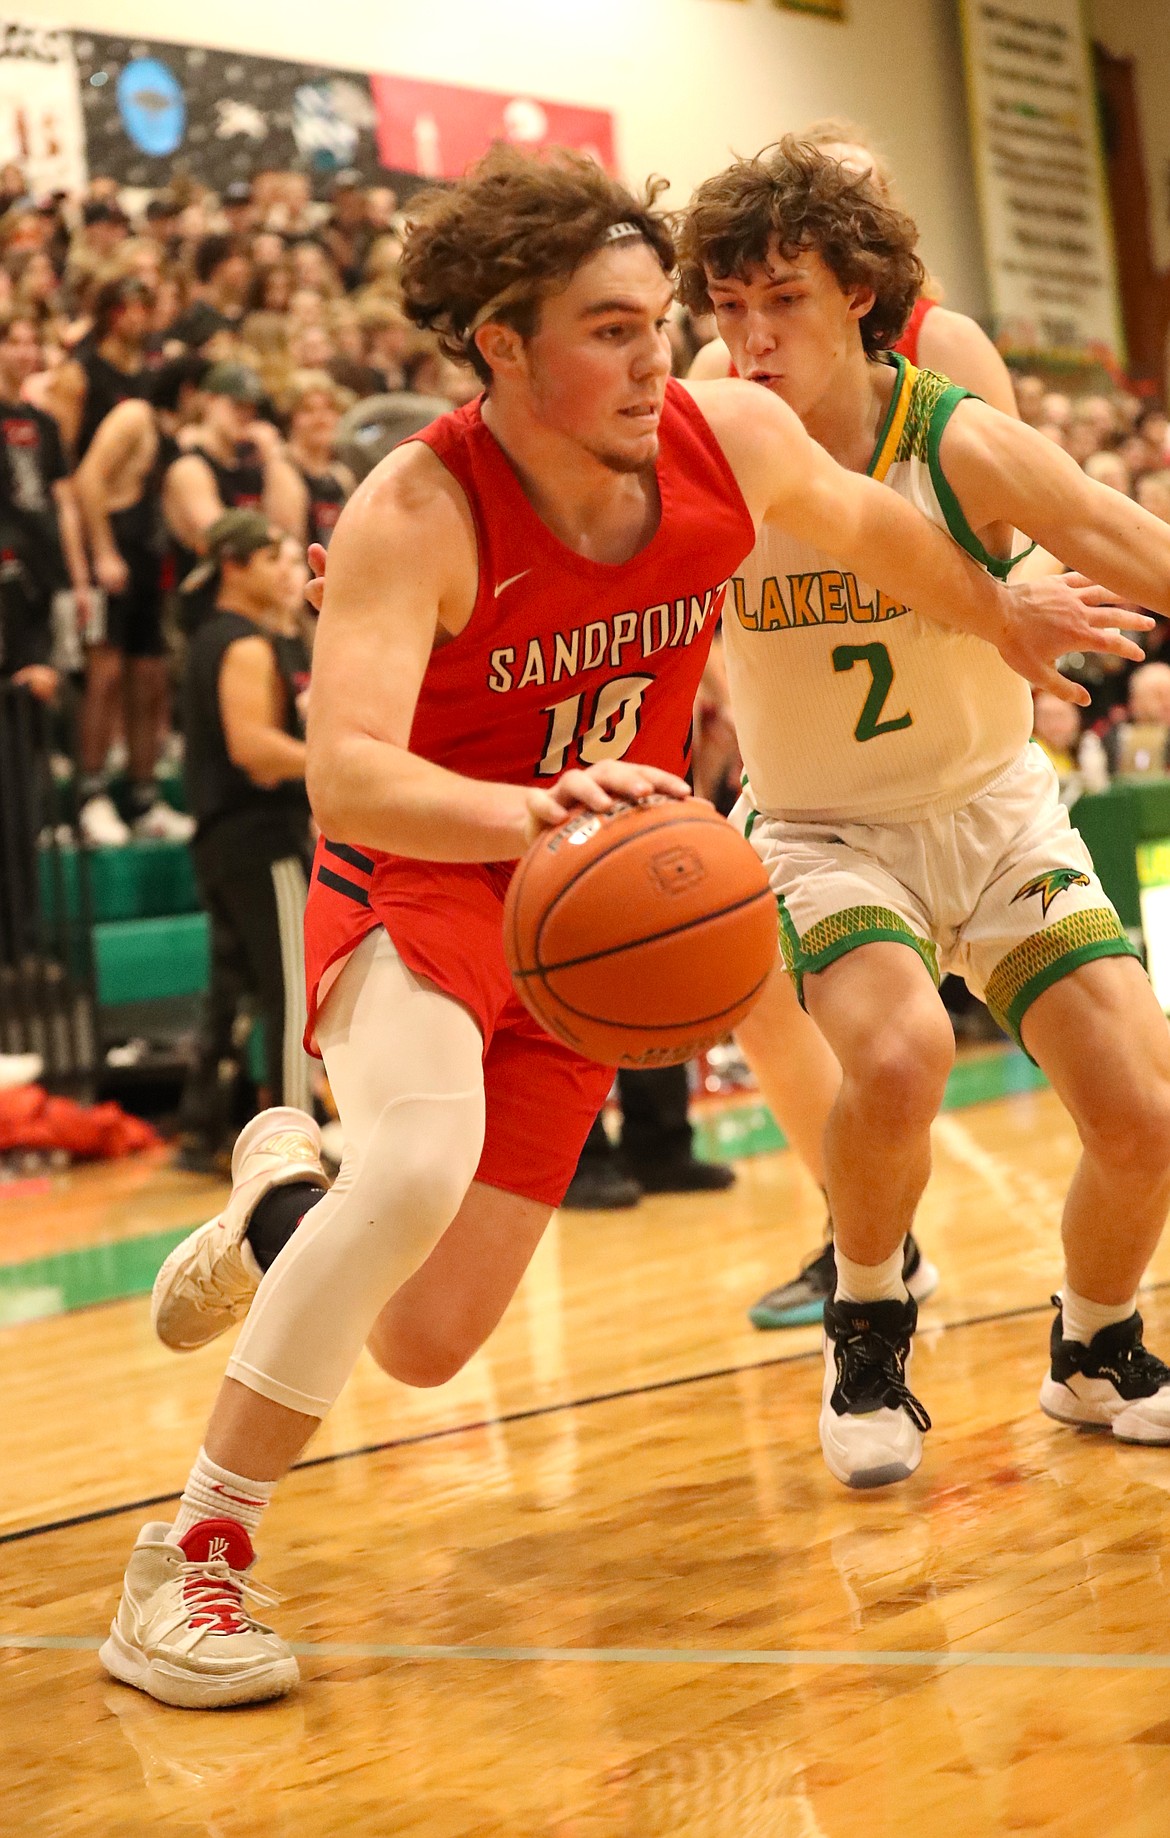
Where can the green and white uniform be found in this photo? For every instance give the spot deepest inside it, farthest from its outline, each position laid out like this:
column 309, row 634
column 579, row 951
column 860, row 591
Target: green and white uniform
column 890, row 787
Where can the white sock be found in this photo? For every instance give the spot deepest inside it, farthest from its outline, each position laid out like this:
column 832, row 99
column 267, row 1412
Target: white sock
column 871, row 1282
column 216, row 1493
column 1082, row 1318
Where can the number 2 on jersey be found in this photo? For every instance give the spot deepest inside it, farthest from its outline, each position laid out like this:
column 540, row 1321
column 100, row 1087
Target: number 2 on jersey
column 607, row 731
column 881, row 672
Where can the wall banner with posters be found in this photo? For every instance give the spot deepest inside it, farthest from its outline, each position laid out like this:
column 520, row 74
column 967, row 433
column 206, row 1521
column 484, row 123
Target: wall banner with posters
column 153, row 109
column 1047, row 233
column 145, row 110
column 40, row 117
column 438, row 129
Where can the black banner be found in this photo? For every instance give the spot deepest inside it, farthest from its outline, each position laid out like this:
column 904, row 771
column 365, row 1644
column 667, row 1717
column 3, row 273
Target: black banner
column 153, row 110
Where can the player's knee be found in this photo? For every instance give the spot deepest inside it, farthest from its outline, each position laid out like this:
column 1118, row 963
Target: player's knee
column 1130, row 1129
column 904, row 1073
column 415, row 1170
column 423, row 1358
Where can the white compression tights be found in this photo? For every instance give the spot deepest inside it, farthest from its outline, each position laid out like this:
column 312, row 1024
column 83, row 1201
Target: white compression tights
column 405, row 1068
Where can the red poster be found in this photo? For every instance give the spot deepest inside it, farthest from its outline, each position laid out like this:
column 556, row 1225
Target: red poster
column 437, row 129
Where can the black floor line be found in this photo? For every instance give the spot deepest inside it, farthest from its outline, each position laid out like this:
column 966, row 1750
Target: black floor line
column 524, row 1416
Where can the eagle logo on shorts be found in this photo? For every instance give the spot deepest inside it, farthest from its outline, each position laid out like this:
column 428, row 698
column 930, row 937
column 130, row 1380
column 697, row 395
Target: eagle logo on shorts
column 1049, row 884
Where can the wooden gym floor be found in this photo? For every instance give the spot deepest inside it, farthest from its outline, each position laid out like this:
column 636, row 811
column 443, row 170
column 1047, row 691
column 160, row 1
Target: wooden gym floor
column 602, row 1583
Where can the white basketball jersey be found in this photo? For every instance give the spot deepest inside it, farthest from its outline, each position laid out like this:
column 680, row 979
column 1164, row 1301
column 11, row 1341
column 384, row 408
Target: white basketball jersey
column 847, row 704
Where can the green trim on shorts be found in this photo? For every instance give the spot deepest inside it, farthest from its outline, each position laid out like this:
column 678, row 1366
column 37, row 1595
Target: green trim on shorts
column 831, row 938
column 1047, row 956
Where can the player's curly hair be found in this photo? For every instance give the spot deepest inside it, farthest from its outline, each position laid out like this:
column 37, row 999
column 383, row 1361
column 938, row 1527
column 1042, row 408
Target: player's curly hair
column 510, row 233
column 806, row 200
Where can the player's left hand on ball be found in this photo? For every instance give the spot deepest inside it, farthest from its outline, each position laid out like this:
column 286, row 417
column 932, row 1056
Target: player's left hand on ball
column 315, row 591
column 1065, row 613
column 598, row 788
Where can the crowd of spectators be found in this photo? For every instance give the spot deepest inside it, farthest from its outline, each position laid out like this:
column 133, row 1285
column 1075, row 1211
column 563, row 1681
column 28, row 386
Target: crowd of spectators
column 1123, row 442
column 162, row 361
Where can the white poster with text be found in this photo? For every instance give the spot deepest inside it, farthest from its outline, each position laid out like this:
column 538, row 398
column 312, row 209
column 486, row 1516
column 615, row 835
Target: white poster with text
column 1046, row 225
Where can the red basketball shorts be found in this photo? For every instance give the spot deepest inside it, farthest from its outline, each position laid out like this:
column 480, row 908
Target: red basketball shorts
column 446, row 922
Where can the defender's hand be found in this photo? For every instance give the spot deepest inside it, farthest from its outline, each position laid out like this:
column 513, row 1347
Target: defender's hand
column 597, row 788
column 1047, row 619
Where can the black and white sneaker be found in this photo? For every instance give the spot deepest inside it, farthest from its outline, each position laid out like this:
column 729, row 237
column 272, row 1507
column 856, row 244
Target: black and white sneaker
column 872, row 1425
column 801, row 1301
column 1113, row 1383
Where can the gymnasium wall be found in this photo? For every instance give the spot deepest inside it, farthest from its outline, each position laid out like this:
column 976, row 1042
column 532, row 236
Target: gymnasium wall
column 1140, row 29
column 689, row 80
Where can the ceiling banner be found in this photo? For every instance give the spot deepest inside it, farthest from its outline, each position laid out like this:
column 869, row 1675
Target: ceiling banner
column 439, row 129
column 1047, row 232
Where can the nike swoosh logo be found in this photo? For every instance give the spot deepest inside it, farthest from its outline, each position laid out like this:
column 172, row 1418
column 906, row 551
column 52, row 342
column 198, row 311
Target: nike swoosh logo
column 512, row 578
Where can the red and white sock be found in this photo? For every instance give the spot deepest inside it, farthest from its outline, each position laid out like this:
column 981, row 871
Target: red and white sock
column 213, row 1492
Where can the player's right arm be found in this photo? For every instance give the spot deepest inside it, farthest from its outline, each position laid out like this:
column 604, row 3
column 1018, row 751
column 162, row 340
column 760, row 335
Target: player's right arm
column 789, row 479
column 401, row 580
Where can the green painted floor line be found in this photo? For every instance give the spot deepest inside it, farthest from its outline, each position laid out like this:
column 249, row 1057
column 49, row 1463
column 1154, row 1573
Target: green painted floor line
column 81, row 1278
column 114, row 1272
column 668, row 1656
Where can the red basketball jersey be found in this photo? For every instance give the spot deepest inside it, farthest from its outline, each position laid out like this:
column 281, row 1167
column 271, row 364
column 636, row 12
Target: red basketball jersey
column 565, row 661
column 907, row 345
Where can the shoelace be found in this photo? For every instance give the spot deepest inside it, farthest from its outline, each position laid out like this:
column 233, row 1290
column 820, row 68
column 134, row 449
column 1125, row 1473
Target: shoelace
column 1136, row 1361
column 869, row 1366
column 1133, row 1359
column 215, row 1592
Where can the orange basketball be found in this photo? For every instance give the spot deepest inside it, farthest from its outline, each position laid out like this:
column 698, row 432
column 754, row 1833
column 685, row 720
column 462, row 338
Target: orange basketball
column 642, row 935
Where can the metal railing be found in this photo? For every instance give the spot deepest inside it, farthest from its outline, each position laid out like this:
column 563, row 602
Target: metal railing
column 47, row 998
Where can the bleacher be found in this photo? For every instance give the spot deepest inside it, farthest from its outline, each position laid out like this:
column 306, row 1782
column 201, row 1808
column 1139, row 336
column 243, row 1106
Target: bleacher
column 149, row 940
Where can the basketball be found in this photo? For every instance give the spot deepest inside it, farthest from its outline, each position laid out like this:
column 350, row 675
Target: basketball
column 640, row 935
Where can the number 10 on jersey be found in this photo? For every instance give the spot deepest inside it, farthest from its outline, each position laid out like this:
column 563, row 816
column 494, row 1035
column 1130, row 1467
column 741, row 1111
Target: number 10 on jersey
column 605, row 731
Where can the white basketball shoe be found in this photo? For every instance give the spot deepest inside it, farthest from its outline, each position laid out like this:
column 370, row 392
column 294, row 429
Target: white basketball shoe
column 208, row 1281
column 872, row 1425
column 1114, row 1383
column 182, row 1633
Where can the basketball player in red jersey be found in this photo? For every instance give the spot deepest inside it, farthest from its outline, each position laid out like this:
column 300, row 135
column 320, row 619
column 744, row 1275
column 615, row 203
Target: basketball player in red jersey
column 518, row 607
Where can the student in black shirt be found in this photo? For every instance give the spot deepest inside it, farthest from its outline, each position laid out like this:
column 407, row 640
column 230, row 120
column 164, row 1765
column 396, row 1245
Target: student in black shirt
column 108, row 366
column 243, row 695
column 42, row 550
column 232, row 460
column 314, row 407
column 119, row 490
